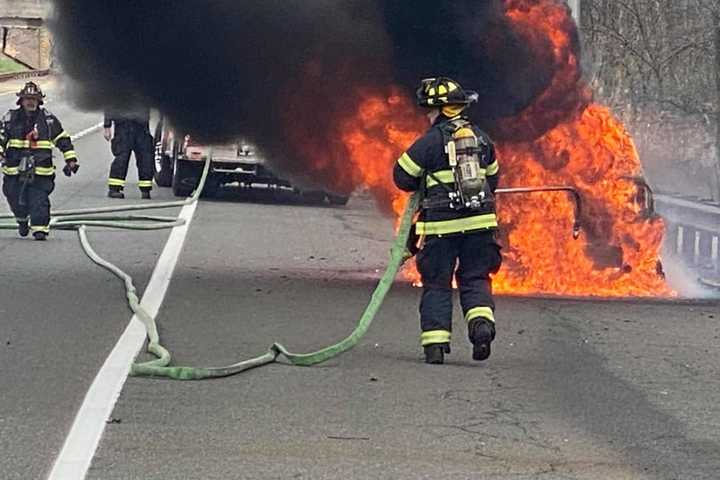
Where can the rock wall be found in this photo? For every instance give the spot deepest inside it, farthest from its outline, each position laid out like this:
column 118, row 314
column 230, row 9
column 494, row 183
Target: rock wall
column 23, row 34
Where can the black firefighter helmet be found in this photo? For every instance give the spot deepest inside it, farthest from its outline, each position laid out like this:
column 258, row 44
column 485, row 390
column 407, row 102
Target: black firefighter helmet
column 441, row 91
column 31, row 90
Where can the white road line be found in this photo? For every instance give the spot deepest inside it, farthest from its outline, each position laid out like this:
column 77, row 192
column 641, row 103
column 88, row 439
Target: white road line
column 87, row 131
column 87, row 429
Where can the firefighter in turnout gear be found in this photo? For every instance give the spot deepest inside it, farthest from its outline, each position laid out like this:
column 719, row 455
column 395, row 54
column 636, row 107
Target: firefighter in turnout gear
column 132, row 135
column 454, row 165
column 27, row 137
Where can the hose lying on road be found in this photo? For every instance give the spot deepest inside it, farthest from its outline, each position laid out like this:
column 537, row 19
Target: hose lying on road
column 81, row 219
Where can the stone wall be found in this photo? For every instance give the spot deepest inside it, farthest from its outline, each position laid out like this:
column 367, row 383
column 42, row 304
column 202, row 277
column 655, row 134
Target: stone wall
column 23, row 33
column 24, row 9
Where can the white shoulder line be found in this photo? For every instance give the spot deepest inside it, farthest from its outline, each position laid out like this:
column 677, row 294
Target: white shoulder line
column 87, row 429
column 87, row 131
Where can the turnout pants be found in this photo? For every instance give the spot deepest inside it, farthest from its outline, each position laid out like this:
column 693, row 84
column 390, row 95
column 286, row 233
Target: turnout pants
column 470, row 258
column 131, row 138
column 31, row 202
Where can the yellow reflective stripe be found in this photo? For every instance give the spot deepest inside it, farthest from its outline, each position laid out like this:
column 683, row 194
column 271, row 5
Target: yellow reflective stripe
column 63, row 134
column 434, row 336
column 70, row 154
column 445, row 227
column 40, row 228
column 2, row 150
column 410, row 167
column 145, row 183
column 11, row 170
column 15, row 143
column 445, row 176
column 45, row 171
column 116, row 182
column 42, row 145
column 39, row 145
column 484, row 312
column 493, row 168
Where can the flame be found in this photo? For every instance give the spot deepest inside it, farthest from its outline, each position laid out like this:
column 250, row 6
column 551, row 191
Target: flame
column 617, row 254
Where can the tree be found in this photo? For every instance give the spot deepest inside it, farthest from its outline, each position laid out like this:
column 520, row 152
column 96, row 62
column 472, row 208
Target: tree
column 656, row 62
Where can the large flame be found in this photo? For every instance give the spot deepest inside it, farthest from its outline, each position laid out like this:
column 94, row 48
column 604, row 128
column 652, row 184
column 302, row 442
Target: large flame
column 587, row 148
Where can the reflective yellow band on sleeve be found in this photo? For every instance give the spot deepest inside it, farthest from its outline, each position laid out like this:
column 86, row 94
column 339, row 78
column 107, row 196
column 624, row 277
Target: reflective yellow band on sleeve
column 70, row 154
column 2, row 150
column 493, row 169
column 45, row 171
column 116, row 182
column 410, row 167
column 63, row 134
column 11, row 170
column 444, row 176
column 459, row 225
column 480, row 312
column 145, row 183
column 434, row 336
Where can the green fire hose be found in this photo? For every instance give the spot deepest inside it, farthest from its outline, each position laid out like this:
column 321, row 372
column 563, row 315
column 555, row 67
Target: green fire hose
column 82, row 219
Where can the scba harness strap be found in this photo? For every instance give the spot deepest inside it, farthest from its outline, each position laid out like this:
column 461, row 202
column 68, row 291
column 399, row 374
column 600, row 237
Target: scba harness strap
column 466, row 152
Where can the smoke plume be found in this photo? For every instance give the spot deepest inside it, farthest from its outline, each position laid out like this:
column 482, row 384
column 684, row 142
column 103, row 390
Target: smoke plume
column 223, row 69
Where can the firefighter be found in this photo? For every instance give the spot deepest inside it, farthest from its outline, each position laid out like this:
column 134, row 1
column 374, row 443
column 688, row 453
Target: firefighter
column 27, row 137
column 454, row 165
column 132, row 135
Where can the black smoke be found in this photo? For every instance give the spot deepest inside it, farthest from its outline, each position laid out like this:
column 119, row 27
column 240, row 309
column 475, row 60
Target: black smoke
column 223, row 69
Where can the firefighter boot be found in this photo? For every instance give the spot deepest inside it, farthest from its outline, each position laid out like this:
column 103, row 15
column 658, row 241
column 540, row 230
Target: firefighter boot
column 23, row 229
column 115, row 193
column 481, row 333
column 435, row 353
column 145, row 194
column 40, row 236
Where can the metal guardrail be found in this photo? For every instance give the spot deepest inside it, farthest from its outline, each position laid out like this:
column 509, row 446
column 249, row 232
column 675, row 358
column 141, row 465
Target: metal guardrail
column 693, row 232
column 24, row 74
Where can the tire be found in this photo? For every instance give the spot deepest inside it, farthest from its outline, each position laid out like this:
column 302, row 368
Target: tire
column 313, row 197
column 163, row 162
column 211, row 187
column 185, row 178
column 164, row 175
column 340, row 200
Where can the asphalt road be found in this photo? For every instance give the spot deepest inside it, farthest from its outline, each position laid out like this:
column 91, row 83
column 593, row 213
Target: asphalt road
column 574, row 389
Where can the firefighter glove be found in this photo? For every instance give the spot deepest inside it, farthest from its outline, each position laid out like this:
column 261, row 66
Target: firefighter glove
column 70, row 168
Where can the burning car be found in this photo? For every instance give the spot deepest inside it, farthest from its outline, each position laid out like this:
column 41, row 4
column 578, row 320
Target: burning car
column 179, row 161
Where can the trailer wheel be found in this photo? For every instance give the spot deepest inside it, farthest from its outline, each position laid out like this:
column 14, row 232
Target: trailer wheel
column 163, row 162
column 186, row 178
column 340, row 200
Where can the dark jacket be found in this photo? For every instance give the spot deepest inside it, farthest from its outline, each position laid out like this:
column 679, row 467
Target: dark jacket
column 140, row 119
column 14, row 129
column 427, row 154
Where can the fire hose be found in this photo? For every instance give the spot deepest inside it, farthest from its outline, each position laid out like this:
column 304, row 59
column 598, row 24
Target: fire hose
column 80, row 220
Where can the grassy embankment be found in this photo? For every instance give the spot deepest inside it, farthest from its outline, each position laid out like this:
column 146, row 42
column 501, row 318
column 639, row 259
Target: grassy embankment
column 8, row 65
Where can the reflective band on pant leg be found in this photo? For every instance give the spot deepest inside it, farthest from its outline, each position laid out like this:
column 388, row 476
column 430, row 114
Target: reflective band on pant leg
column 434, row 336
column 484, row 312
column 116, row 182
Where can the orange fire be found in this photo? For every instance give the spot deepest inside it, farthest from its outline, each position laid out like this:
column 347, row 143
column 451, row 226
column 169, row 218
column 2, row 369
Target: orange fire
column 589, row 149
